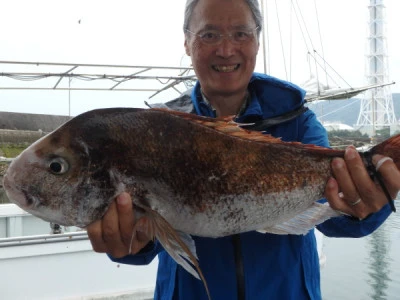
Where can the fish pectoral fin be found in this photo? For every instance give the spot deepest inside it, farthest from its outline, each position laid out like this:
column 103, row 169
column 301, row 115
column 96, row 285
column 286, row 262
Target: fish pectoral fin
column 179, row 245
column 304, row 222
column 179, row 254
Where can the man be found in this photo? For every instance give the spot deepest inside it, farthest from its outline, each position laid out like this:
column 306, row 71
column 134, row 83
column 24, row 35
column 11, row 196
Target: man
column 222, row 39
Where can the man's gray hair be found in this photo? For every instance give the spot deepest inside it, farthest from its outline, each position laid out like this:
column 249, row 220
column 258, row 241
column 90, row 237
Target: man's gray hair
column 253, row 5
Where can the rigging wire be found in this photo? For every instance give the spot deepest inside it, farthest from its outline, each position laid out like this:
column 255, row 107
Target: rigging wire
column 303, row 22
column 290, row 42
column 326, row 63
column 320, row 39
column 280, row 34
column 338, row 109
column 268, row 43
column 302, row 25
column 301, row 30
column 265, row 40
column 319, row 64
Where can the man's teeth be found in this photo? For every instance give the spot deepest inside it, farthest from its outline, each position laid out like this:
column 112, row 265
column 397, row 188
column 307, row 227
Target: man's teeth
column 226, row 68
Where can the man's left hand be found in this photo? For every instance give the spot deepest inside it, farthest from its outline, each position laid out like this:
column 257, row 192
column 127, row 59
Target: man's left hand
column 353, row 192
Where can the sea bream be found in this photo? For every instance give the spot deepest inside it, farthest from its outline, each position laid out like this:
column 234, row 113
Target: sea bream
column 189, row 175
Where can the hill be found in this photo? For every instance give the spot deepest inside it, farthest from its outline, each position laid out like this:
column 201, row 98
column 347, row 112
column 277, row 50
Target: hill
column 345, row 111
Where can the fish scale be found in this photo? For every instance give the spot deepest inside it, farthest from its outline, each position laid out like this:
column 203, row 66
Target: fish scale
column 188, row 175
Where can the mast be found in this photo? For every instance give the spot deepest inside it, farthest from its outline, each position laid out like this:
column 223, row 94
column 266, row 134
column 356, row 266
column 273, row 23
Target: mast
column 376, row 110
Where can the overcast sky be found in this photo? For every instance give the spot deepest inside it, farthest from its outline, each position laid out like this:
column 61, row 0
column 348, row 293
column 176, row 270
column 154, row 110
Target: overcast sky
column 150, row 33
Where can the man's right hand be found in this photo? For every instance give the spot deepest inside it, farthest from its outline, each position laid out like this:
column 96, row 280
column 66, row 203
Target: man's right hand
column 113, row 233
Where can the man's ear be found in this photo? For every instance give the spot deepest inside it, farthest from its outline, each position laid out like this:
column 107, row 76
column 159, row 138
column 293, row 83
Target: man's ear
column 187, row 48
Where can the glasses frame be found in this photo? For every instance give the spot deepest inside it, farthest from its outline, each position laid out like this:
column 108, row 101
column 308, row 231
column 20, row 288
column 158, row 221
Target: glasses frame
column 229, row 36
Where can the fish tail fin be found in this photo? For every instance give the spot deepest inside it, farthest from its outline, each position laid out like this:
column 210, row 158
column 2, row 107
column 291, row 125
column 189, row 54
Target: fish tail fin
column 180, row 246
column 390, row 148
column 304, row 222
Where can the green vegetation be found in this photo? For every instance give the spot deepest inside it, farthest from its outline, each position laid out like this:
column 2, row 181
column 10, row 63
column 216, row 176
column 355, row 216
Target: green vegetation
column 11, row 150
column 340, row 139
column 383, row 133
column 347, row 134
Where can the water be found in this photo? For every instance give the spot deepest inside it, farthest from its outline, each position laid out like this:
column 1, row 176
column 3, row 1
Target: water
column 364, row 268
column 361, row 269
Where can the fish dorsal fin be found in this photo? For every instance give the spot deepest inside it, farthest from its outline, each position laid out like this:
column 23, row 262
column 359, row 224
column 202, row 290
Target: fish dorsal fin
column 228, row 126
column 179, row 245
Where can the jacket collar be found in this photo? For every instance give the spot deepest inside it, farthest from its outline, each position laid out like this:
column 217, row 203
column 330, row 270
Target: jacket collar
column 265, row 92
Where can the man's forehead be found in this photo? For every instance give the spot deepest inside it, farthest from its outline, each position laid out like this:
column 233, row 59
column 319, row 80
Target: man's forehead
column 209, row 14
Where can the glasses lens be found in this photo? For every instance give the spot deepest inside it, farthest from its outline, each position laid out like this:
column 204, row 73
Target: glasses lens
column 214, row 37
column 242, row 36
column 210, row 37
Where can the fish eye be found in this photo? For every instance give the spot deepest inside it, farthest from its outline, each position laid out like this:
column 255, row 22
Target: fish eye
column 58, row 166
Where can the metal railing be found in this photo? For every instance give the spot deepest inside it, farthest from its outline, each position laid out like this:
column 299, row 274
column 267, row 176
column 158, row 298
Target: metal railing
column 43, row 239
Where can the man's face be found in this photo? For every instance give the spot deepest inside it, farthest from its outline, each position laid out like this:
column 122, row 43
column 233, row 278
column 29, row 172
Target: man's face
column 224, row 68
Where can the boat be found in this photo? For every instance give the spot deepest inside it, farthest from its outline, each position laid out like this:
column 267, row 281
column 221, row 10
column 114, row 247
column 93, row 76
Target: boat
column 41, row 263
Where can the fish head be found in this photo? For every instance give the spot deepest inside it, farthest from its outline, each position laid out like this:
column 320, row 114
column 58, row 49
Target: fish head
column 61, row 180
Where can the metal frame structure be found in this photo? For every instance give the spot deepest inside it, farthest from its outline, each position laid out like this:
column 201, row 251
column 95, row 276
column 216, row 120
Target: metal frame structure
column 376, row 109
column 155, row 79
column 58, row 76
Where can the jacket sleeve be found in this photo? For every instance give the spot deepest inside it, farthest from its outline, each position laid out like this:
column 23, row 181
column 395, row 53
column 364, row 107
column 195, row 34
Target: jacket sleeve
column 144, row 257
column 344, row 226
column 347, row 226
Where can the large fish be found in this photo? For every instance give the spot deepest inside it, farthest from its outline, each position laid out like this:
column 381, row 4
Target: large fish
column 188, row 175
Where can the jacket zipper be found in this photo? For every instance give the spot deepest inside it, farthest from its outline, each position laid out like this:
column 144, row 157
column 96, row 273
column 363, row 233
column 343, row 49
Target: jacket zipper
column 237, row 248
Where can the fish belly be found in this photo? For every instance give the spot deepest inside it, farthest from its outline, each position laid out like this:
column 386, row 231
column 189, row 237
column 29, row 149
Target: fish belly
column 232, row 214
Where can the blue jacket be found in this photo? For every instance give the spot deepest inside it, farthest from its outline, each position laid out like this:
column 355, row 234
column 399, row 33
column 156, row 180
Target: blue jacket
column 275, row 266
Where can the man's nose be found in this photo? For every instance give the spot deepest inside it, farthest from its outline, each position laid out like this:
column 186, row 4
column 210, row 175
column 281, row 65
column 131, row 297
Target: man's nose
column 226, row 47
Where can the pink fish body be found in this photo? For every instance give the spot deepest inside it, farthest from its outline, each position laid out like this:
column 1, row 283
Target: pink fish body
column 188, row 175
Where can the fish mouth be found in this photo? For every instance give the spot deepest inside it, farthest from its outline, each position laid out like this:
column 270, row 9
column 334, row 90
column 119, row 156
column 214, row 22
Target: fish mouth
column 18, row 196
column 29, row 200
column 225, row 68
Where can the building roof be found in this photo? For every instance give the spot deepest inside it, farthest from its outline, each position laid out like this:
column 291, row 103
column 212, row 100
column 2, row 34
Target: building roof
column 337, row 126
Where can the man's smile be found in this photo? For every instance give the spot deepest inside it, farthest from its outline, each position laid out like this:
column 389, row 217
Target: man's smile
column 225, row 68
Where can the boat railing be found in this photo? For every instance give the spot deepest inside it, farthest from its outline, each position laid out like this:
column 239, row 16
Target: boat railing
column 43, row 239
column 58, row 265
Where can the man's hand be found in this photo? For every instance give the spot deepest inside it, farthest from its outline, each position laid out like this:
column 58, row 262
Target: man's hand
column 113, row 234
column 353, row 192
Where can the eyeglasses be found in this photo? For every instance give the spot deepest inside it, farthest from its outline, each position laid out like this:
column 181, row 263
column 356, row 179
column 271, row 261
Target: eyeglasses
column 214, row 37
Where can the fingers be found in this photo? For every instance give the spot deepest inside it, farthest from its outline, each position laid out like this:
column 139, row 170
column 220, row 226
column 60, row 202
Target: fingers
column 332, row 195
column 96, row 236
column 132, row 233
column 362, row 185
column 104, row 234
column 343, row 178
column 338, row 202
column 389, row 172
column 111, row 232
column 116, row 233
column 126, row 217
column 352, row 183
